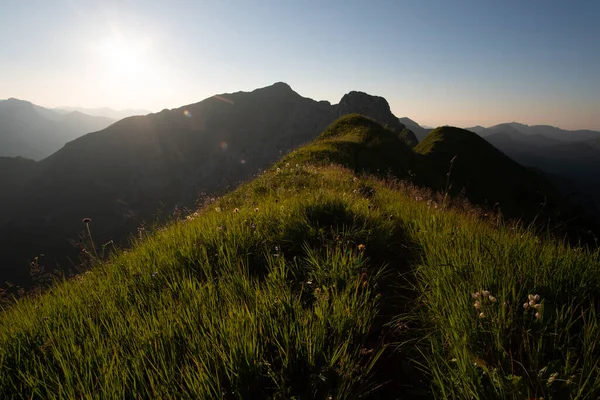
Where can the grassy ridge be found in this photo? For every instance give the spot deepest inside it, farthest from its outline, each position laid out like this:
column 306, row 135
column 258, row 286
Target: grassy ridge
column 315, row 282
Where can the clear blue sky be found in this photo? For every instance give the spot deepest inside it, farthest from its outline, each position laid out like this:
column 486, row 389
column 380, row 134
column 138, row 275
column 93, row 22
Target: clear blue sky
column 439, row 62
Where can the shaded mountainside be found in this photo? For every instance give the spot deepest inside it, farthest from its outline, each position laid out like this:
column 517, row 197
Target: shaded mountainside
column 142, row 168
column 549, row 132
column 30, row 131
column 378, row 109
column 316, row 281
column 486, row 174
column 481, row 173
column 577, row 161
column 419, row 131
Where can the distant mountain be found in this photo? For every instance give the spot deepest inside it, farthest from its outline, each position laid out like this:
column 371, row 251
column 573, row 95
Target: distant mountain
column 142, row 168
column 560, row 154
column 104, row 112
column 419, row 131
column 478, row 129
column 549, row 132
column 31, row 131
column 514, row 136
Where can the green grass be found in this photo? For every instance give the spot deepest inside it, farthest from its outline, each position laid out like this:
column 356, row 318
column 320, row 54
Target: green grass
column 315, row 281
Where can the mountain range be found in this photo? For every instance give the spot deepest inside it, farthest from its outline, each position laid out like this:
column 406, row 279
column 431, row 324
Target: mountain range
column 142, row 169
column 35, row 132
column 104, row 112
column 570, row 159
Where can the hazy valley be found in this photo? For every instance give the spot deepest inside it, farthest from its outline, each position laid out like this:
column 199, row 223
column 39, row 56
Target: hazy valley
column 34, row 132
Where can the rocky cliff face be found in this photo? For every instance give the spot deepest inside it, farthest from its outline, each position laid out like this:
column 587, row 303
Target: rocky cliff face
column 376, row 108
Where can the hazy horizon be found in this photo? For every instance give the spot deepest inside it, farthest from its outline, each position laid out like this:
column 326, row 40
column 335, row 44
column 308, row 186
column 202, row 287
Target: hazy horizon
column 463, row 63
column 426, row 126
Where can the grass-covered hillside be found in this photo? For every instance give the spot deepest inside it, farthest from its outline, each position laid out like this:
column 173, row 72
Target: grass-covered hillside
column 317, row 281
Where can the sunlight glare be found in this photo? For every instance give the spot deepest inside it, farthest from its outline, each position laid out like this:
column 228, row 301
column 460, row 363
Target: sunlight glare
column 123, row 62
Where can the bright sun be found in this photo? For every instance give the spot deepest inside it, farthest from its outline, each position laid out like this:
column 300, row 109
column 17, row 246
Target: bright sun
column 123, row 62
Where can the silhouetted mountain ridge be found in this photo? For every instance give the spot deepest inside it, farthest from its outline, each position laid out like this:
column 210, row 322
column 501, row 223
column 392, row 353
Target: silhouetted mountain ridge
column 143, row 167
column 574, row 155
column 420, row 132
column 103, row 112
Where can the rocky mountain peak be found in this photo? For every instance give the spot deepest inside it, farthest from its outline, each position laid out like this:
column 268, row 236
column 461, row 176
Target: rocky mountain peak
column 376, row 108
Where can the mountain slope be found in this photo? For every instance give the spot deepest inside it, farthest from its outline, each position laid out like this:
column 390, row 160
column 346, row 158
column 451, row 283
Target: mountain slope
column 577, row 161
column 30, row 131
column 486, row 174
column 376, row 108
column 142, row 169
column 419, row 131
column 314, row 282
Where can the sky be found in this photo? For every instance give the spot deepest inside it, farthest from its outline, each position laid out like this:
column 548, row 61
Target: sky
column 458, row 62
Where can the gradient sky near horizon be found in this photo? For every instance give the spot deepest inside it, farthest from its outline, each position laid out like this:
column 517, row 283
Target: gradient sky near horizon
column 460, row 62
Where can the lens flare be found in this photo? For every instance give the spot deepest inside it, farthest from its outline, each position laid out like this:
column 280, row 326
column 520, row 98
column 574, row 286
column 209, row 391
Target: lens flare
column 187, row 113
column 226, row 100
column 224, row 145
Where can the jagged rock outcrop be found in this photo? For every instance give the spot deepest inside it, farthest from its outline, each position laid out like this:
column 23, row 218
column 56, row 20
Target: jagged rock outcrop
column 376, row 108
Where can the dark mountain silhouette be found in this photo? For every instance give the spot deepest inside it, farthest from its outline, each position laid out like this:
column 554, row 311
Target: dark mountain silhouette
column 547, row 131
column 35, row 132
column 486, row 175
column 144, row 167
column 378, row 109
column 420, row 132
column 103, row 112
column 479, row 171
